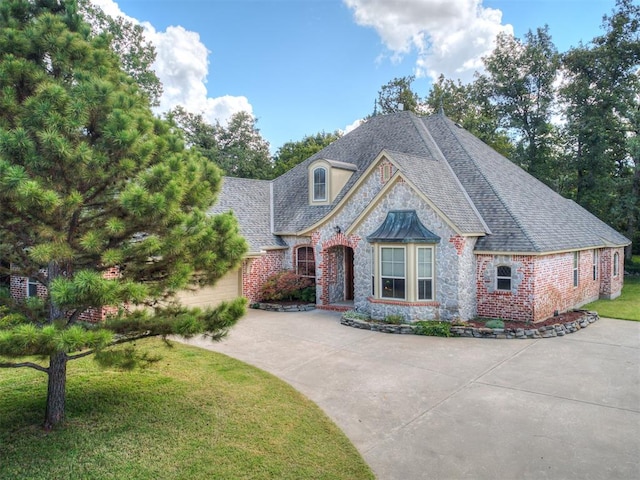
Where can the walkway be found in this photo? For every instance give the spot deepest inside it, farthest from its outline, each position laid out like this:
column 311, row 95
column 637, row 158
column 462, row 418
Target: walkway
column 434, row 408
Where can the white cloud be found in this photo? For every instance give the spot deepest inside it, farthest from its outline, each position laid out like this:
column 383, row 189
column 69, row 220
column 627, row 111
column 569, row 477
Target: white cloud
column 352, row 126
column 449, row 36
column 182, row 66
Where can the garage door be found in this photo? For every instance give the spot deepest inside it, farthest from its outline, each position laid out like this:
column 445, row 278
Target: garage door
column 227, row 288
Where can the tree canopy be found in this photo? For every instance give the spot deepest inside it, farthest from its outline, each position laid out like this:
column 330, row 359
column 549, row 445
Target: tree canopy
column 92, row 183
column 237, row 148
column 570, row 119
column 292, row 153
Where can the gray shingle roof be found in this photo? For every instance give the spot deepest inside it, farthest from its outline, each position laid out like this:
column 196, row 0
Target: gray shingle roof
column 524, row 214
column 250, row 201
column 479, row 190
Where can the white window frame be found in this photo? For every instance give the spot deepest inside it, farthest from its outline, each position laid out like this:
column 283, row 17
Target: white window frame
column 424, row 278
column 504, row 277
column 393, row 277
column 595, row 265
column 576, row 269
column 316, row 184
column 616, row 264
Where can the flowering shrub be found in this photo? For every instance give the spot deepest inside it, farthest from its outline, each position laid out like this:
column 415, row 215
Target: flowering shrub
column 286, row 285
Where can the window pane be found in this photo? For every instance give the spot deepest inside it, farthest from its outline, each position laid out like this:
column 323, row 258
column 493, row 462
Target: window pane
column 387, row 254
column 504, row 284
column 393, row 288
column 425, row 290
column 319, row 184
column 504, row 271
column 424, row 263
column 398, row 255
column 398, row 269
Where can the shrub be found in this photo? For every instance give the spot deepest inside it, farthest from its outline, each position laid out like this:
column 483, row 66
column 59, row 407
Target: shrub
column 286, row 285
column 353, row 315
column 394, row 319
column 495, row 323
column 432, row 328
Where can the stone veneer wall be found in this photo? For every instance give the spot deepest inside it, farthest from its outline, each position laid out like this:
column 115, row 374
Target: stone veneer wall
column 450, row 257
column 255, row 270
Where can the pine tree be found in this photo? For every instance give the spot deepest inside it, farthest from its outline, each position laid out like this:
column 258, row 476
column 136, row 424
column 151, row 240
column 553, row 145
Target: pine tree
column 91, row 182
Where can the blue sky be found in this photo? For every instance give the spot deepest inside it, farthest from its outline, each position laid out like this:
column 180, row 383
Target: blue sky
column 305, row 66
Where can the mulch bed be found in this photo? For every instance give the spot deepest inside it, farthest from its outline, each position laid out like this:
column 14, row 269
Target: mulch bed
column 562, row 318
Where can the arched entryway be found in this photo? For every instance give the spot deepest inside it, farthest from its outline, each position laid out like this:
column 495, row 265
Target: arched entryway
column 338, row 275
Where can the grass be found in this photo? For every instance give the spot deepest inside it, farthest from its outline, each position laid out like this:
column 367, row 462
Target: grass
column 195, row 414
column 626, row 306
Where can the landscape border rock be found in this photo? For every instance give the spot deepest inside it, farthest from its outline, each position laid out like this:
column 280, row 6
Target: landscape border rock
column 526, row 332
column 283, row 307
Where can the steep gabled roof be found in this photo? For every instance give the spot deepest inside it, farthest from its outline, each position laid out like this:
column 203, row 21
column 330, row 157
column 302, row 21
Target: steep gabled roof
column 250, row 201
column 479, row 191
column 406, row 137
column 524, row 214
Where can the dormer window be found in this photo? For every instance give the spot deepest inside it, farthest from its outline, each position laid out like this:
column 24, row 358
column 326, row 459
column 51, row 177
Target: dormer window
column 327, row 178
column 319, row 184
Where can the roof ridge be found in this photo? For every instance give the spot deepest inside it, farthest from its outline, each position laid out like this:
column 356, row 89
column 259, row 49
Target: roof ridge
column 506, row 207
column 453, row 174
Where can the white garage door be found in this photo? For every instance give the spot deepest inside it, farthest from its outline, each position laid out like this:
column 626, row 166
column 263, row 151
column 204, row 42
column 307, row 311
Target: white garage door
column 227, row 288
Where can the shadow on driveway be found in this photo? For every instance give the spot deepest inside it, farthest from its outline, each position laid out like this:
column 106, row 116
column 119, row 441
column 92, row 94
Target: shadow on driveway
column 450, row 408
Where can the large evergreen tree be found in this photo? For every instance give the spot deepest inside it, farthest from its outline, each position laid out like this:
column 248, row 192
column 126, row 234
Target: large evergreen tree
column 91, row 182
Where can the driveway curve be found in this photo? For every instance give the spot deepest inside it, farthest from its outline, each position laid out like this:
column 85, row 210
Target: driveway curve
column 456, row 408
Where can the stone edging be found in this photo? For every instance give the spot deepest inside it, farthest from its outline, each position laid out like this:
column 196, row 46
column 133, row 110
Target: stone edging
column 556, row 330
column 277, row 307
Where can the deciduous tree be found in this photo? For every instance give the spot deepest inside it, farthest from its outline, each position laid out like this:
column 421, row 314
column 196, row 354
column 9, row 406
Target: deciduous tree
column 602, row 97
column 292, row 153
column 520, row 78
column 92, row 183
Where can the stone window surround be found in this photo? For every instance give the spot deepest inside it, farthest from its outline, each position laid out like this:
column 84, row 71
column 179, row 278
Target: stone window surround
column 503, row 277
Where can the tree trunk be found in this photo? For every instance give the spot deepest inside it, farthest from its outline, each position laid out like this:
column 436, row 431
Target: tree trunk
column 56, row 390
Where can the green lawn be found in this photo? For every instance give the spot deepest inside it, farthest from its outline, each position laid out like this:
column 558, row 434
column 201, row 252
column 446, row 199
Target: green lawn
column 194, row 415
column 626, row 306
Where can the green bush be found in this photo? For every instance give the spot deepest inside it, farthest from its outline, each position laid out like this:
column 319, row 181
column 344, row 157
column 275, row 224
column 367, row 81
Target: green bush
column 632, row 267
column 353, row 315
column 286, row 285
column 394, row 319
column 308, row 294
column 495, row 323
column 432, row 328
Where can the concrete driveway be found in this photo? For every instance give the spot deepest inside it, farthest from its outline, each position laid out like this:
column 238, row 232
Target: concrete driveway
column 434, row 408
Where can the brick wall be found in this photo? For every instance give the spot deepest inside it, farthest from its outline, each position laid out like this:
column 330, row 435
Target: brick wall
column 517, row 304
column 19, row 290
column 330, row 265
column 546, row 284
column 256, row 270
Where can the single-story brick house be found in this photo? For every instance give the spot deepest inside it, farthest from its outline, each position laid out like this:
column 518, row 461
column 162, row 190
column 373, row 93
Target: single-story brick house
column 415, row 216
